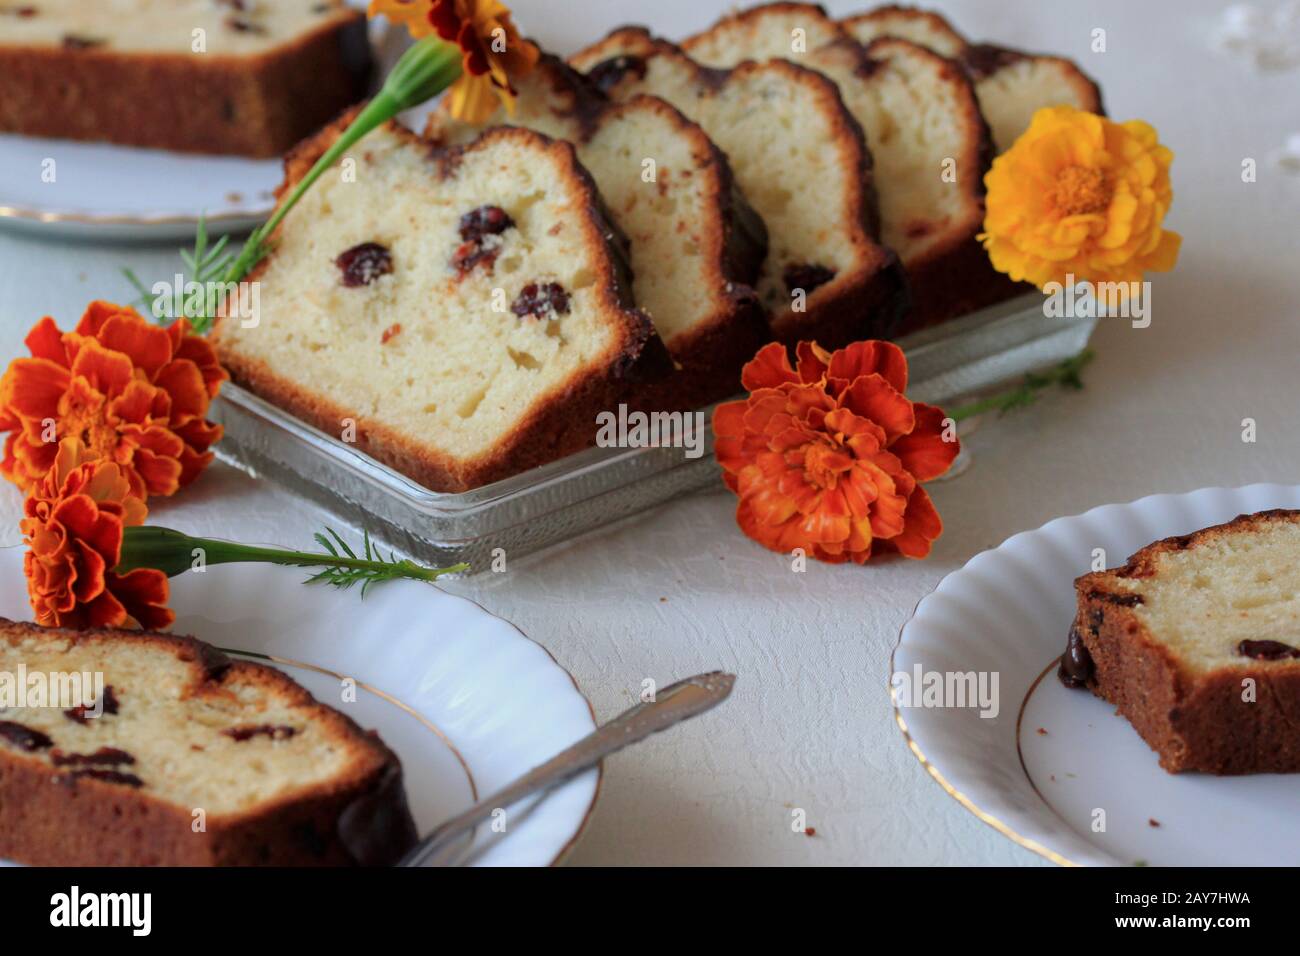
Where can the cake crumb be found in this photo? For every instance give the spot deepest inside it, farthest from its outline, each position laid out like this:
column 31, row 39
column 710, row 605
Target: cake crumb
column 810, row 832
column 1042, row 731
column 1153, row 822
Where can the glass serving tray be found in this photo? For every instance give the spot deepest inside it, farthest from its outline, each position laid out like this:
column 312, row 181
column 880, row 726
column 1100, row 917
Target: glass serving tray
column 529, row 511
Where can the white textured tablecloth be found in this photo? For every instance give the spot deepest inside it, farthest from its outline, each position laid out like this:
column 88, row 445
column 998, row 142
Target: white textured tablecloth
column 680, row 590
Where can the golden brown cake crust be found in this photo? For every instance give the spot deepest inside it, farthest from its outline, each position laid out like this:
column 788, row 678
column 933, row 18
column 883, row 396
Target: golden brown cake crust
column 50, row 819
column 953, row 277
column 1193, row 720
column 708, row 357
column 258, row 105
column 564, row 424
column 866, row 303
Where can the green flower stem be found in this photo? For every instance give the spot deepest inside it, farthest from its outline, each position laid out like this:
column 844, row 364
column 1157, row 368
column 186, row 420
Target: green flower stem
column 174, row 552
column 1069, row 374
column 424, row 71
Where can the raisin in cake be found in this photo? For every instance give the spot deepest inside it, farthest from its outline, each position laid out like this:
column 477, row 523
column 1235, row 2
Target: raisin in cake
column 927, row 136
column 1012, row 85
column 800, row 160
column 460, row 314
column 1196, row 641
column 696, row 245
column 186, row 758
column 212, row 76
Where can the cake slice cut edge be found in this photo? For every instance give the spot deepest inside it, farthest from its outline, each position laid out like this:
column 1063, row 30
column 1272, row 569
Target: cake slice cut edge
column 1196, row 641
column 827, row 276
column 930, row 144
column 461, row 314
column 186, row 758
column 696, row 246
column 193, row 76
column 1012, row 85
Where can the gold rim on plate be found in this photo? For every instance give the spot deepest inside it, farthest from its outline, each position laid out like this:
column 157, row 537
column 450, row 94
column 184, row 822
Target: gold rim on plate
column 984, row 816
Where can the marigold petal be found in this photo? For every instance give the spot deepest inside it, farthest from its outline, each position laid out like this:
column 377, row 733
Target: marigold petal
column 871, row 357
column 873, row 398
column 769, row 368
column 923, row 451
column 45, row 341
column 148, row 346
column 922, row 526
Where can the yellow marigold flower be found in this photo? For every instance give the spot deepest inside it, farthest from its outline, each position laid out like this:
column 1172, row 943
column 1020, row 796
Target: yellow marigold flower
column 1080, row 195
column 492, row 52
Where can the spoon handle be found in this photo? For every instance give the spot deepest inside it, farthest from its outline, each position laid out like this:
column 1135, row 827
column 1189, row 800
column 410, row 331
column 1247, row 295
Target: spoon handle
column 675, row 703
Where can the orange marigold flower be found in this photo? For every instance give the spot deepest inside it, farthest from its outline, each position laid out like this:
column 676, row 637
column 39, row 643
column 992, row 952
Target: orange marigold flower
column 492, row 50
column 830, row 457
column 130, row 391
column 73, row 525
column 1080, row 195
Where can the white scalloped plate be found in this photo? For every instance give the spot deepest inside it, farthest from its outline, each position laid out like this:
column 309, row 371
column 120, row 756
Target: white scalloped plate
column 1041, row 769
column 466, row 700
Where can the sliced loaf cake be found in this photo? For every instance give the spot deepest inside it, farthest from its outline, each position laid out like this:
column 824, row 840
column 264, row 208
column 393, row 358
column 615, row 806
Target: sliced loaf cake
column 1196, row 641
column 174, row 755
column 461, row 314
column 923, row 27
column 1011, row 85
column 696, row 245
column 209, row 76
column 800, row 160
column 926, row 133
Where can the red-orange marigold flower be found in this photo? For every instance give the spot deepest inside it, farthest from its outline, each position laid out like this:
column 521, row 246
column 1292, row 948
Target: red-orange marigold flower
column 830, row 457
column 73, row 523
column 131, row 391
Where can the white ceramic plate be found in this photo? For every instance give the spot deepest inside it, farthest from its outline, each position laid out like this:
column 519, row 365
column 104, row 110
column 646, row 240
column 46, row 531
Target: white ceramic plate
column 466, row 701
column 106, row 192
column 1041, row 769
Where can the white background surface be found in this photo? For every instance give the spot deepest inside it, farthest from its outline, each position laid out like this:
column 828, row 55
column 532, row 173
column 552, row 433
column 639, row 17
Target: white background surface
column 680, row 590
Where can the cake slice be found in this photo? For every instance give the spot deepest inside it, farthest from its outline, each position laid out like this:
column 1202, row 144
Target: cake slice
column 462, row 315
column 696, row 245
column 206, row 76
column 1196, row 641
column 800, row 160
column 171, row 754
column 928, row 138
column 924, row 27
column 1012, row 85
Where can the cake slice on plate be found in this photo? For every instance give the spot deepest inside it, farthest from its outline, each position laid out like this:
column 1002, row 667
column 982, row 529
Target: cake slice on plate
column 461, row 315
column 206, row 76
column 926, row 134
column 1196, row 641
column 1012, row 85
column 183, row 757
column 696, row 245
column 800, row 160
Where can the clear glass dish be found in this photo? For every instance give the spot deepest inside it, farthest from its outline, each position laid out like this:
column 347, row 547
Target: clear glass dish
column 568, row 497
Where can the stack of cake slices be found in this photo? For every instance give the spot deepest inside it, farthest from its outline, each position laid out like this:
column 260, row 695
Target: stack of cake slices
column 466, row 302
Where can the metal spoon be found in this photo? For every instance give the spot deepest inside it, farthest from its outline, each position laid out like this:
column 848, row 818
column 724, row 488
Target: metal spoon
column 672, row 705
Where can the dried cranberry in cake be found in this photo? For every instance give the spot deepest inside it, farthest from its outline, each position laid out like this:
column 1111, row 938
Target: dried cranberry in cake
column 1267, row 650
column 24, row 738
column 806, row 278
column 107, row 776
column 480, row 232
column 484, row 221
column 540, row 300
column 80, row 712
column 71, row 42
column 363, row 264
column 470, row 255
column 241, row 734
column 609, row 73
column 104, row 757
column 23, row 12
